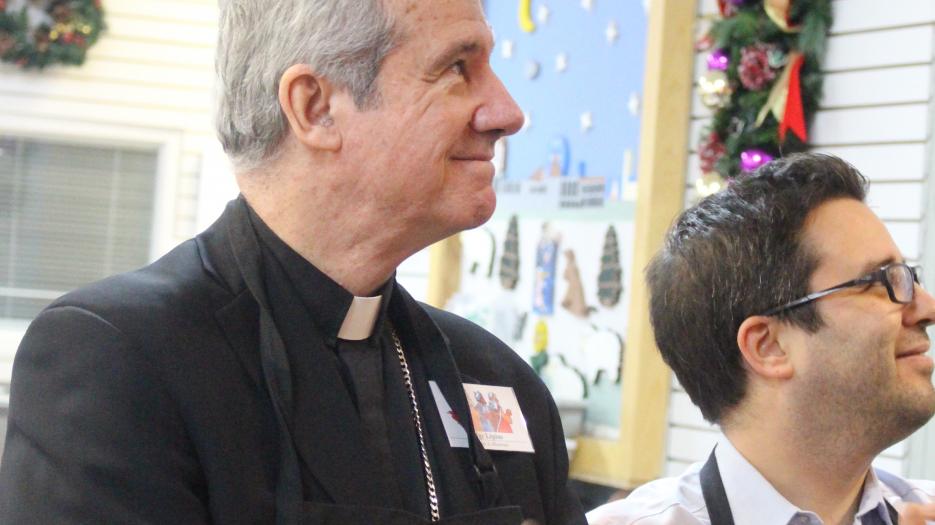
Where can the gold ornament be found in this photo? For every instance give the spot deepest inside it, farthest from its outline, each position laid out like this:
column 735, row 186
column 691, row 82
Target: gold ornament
column 778, row 12
column 709, row 184
column 715, row 89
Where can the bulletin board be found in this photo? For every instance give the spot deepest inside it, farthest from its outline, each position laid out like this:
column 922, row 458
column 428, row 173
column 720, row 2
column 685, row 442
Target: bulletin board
column 585, row 192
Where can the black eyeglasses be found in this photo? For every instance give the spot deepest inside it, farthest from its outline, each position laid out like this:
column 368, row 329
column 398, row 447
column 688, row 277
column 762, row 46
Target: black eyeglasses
column 899, row 278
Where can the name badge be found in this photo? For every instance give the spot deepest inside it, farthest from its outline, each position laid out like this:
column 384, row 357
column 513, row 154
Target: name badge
column 495, row 415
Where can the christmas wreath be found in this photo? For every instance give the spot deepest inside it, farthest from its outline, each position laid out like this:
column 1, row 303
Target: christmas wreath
column 764, row 82
column 38, row 33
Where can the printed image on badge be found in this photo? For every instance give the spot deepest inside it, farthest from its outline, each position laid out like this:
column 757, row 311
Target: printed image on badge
column 497, row 418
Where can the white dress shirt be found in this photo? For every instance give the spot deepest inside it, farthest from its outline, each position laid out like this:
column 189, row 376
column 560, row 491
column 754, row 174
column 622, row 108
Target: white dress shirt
column 753, row 501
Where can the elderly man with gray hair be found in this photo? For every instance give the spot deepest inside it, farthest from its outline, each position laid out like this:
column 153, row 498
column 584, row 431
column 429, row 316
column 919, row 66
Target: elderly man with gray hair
column 272, row 369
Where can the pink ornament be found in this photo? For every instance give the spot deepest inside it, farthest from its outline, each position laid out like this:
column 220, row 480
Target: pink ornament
column 752, row 159
column 718, row 60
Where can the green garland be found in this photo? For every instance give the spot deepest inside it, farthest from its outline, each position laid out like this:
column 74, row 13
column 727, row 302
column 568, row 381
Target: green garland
column 72, row 27
column 747, row 26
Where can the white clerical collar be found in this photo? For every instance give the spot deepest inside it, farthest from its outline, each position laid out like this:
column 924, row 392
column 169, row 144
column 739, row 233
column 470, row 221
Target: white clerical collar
column 360, row 318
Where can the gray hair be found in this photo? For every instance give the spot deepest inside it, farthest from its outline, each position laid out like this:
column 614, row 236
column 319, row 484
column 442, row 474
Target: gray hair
column 344, row 41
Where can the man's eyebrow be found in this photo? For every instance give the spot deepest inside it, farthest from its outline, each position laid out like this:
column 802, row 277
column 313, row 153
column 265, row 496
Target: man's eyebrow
column 453, row 51
column 879, row 263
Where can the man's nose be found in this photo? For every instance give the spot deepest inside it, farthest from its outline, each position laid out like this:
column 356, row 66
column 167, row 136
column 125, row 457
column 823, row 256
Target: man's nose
column 921, row 311
column 498, row 114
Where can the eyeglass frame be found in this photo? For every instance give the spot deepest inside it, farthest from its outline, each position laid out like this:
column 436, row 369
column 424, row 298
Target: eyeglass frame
column 877, row 276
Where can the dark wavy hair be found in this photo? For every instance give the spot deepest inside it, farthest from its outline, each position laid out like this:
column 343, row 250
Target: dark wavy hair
column 735, row 254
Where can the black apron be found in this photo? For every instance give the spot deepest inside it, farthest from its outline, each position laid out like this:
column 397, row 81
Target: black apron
column 291, row 509
column 715, row 497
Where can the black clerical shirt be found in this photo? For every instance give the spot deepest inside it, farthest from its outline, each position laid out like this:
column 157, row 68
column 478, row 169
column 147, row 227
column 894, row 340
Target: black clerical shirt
column 303, row 298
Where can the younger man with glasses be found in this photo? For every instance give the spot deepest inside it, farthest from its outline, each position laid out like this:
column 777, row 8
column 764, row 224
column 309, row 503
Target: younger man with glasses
column 790, row 318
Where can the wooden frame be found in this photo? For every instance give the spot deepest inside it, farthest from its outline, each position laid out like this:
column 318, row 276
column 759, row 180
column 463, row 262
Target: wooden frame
column 638, row 455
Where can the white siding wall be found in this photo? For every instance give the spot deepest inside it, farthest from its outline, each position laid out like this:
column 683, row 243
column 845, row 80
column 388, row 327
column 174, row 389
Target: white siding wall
column 148, row 81
column 876, row 114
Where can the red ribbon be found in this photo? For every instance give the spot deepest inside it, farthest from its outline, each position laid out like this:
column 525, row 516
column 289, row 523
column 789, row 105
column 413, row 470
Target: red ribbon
column 794, row 116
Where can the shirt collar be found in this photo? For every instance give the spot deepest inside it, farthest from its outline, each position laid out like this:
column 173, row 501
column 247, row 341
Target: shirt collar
column 754, row 500
column 872, row 499
column 335, row 311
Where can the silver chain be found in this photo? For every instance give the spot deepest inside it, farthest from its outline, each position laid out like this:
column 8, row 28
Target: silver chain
column 417, row 418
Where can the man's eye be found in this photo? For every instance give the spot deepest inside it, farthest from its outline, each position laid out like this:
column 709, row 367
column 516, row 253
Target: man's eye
column 459, row 68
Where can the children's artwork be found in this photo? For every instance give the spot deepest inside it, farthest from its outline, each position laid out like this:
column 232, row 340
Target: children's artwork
column 544, row 289
column 576, row 349
column 610, row 280
column 574, row 300
column 583, row 92
column 602, row 363
column 497, row 418
column 509, row 262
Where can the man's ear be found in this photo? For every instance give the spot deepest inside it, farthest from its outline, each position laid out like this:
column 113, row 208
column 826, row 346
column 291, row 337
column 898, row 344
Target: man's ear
column 305, row 99
column 762, row 347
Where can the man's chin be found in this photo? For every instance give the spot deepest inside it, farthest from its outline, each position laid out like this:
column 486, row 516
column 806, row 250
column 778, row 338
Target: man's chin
column 484, row 211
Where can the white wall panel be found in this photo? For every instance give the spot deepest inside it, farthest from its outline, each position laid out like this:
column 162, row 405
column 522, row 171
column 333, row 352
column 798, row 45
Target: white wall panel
column 896, row 200
column 896, row 85
column 178, row 31
column 908, row 237
column 907, row 123
column 893, row 47
column 105, row 92
column 882, row 162
column 161, row 53
column 863, row 15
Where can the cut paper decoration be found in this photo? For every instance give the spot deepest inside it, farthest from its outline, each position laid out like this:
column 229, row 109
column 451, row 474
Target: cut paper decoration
column 525, row 16
column 574, row 300
column 543, row 300
column 610, row 278
column 509, row 261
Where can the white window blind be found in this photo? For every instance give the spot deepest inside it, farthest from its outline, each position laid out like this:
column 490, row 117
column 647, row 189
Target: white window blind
column 70, row 214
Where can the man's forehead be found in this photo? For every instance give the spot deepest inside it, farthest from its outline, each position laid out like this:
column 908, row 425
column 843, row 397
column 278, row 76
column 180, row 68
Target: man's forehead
column 848, row 238
column 441, row 26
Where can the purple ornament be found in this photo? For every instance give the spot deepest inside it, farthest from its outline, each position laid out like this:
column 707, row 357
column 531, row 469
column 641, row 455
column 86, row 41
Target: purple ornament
column 718, row 60
column 753, row 159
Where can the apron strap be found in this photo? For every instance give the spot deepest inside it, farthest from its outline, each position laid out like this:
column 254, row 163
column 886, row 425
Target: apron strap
column 276, row 370
column 715, row 498
column 491, row 490
column 894, row 516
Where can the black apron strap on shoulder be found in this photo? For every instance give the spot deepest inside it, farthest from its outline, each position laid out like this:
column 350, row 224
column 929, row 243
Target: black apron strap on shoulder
column 715, row 497
column 894, row 516
column 276, row 370
column 491, row 489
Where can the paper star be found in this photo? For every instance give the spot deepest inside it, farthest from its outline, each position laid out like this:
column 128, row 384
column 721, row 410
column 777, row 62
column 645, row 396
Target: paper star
column 527, row 121
column 561, row 62
column 543, row 14
column 532, row 69
column 587, row 121
column 612, row 33
column 633, row 104
column 587, row 4
column 506, row 49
